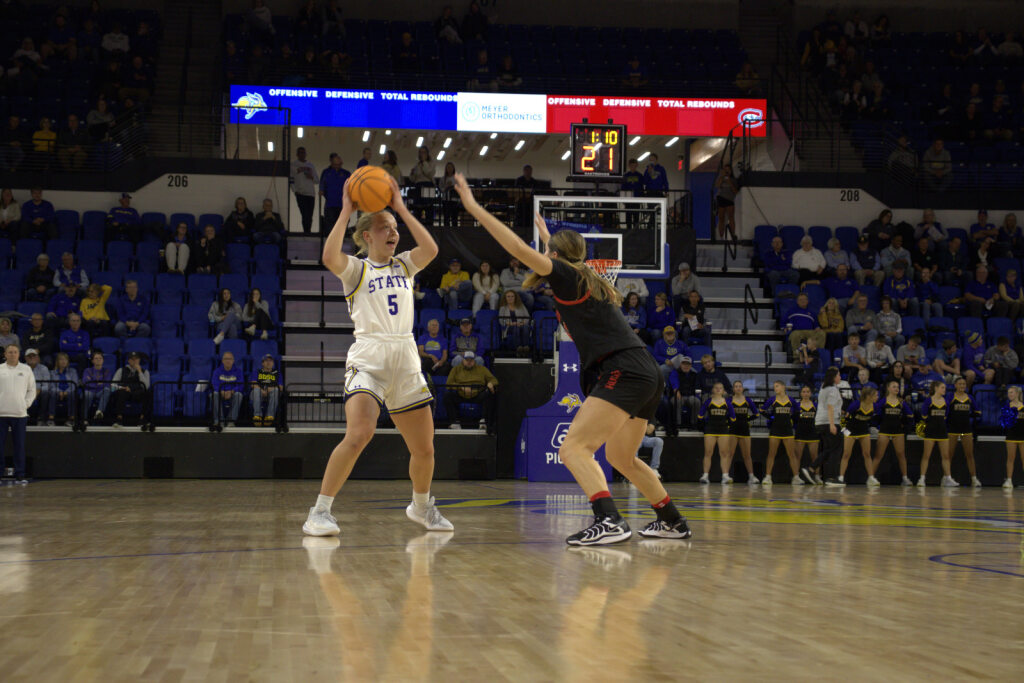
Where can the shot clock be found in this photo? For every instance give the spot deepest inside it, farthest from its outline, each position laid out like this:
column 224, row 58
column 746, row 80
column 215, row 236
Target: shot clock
column 598, row 151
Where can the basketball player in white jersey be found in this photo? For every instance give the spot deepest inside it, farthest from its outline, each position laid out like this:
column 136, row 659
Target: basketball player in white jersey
column 382, row 370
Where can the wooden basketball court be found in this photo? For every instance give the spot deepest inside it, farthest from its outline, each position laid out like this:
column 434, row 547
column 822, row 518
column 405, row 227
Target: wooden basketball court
column 214, row 581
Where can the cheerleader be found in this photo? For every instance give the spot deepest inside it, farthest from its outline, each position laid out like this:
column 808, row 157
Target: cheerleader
column 779, row 410
column 806, row 436
column 859, row 416
column 960, row 415
column 717, row 415
column 1012, row 423
column 893, row 415
column 934, row 432
column 740, row 435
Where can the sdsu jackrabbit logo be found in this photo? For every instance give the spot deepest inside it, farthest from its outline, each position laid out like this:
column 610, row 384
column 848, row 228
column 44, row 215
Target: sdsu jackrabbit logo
column 571, row 402
column 251, row 103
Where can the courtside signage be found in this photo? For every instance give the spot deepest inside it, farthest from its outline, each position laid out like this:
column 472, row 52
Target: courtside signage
column 492, row 112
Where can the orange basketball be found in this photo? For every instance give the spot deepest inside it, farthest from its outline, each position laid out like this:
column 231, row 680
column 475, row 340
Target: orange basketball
column 370, row 188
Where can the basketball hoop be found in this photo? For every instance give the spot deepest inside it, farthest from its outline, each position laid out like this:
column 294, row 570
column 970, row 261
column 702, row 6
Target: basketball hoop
column 608, row 268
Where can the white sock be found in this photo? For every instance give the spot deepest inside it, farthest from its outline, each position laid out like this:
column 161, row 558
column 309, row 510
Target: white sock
column 840, row 478
column 707, row 474
column 420, row 499
column 324, row 502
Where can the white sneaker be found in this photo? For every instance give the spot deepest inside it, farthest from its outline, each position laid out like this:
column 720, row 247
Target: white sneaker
column 1008, row 484
column 320, row 522
column 797, row 481
column 920, row 481
column 455, row 425
column 873, row 482
column 656, row 472
column 752, row 480
column 218, row 339
column 949, row 482
column 705, row 479
column 482, row 425
column 726, row 479
column 767, row 481
column 251, row 330
column 429, row 516
column 975, row 482
column 906, row 482
column 818, row 481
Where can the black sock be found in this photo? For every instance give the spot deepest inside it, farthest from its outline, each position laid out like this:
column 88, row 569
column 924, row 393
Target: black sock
column 667, row 513
column 605, row 506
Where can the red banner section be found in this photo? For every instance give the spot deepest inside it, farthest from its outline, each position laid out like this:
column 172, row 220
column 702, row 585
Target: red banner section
column 685, row 117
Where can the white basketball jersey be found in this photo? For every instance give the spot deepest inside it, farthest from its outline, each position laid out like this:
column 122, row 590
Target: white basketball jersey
column 380, row 297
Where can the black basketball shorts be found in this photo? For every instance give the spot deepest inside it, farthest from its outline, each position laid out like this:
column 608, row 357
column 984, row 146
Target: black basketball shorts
column 629, row 379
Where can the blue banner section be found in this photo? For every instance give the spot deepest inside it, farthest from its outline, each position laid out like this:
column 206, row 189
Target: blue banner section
column 344, row 108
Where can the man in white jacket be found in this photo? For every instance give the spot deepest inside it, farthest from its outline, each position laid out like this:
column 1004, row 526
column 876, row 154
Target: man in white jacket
column 17, row 391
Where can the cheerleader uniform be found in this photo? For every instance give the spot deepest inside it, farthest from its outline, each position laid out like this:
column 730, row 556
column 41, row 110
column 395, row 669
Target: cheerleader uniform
column 717, row 417
column 780, row 417
column 1013, row 423
column 805, row 432
column 934, row 421
column 745, row 412
column 893, row 417
column 860, row 417
column 960, row 416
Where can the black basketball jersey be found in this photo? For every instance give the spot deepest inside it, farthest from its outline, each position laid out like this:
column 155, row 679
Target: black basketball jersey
column 893, row 416
column 960, row 415
column 598, row 327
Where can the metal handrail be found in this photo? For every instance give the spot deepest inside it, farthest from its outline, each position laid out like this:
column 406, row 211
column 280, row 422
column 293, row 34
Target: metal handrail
column 730, row 248
column 749, row 306
column 767, row 362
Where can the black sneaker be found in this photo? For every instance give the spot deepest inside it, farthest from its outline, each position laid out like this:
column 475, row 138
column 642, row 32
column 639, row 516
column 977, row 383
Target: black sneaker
column 603, row 531
column 833, row 482
column 807, row 475
column 658, row 529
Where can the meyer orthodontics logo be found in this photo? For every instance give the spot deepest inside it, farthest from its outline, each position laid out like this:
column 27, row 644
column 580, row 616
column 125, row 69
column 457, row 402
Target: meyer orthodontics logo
column 752, row 116
column 251, row 103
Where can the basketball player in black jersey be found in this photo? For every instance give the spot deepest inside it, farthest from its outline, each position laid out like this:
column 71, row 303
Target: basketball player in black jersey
column 620, row 377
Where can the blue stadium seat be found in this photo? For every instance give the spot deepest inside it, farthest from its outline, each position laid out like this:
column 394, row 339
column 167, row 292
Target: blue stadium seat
column 201, row 366
column 428, row 314
column 12, row 282
column 999, row 327
column 93, row 223
column 967, row 325
column 816, row 296
column 195, row 394
column 847, row 236
column 186, row 218
column 873, row 294
column 201, row 347
column 195, row 321
column 5, row 251
column 88, row 254
column 165, row 319
column 169, row 288
column 237, row 283
column 267, row 284
column 238, row 348
column 56, row 248
column 941, row 328
column 914, row 325
column 791, row 236
column 155, row 218
column 170, row 364
column 266, row 259
column 104, row 277
column 169, row 346
column 165, row 393
column 697, row 352
column 28, row 308
column 821, row 234
column 143, row 345
column 987, row 401
column 763, row 235
column 238, row 257
column 107, row 345
column 145, row 281
column 261, row 347
column 67, row 224
column 28, row 249
column 120, row 255
column 544, row 325
column 214, row 219
column 486, row 325
column 147, row 257
column 958, row 232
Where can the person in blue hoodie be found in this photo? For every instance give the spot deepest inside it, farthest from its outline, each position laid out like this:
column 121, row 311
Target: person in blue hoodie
column 636, row 316
column 778, row 265
column 901, row 290
column 64, row 303
column 928, row 297
column 63, row 388
column 132, row 313
column 669, row 351
column 75, row 342
column 228, row 385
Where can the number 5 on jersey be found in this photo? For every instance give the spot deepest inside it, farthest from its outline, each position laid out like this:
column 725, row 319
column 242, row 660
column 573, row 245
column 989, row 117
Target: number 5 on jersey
column 393, row 304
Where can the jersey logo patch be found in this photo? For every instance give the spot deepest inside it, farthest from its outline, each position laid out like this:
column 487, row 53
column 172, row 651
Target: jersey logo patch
column 571, row 402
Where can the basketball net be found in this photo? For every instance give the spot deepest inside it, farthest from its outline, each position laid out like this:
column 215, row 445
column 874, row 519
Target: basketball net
column 607, row 268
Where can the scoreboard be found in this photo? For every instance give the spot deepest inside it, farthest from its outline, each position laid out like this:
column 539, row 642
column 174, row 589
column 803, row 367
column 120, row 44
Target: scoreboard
column 598, row 151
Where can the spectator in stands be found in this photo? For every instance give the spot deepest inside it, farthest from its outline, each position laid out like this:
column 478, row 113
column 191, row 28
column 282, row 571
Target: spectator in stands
column 1011, row 293
column 138, row 82
column 225, row 315
column 73, row 144
column 7, row 336
column 514, row 320
column 862, row 320
column 38, row 217
column 747, row 81
column 982, row 296
column 636, row 315
column 93, row 306
column 331, row 19
column 446, row 27
column 123, row 221
column 867, row 266
column 830, row 320
column 332, row 188
column 209, row 254
column 925, row 258
column 75, row 341
column 474, row 24
column 390, row 164
column 947, row 361
column 972, row 361
column 64, row 303
column 1003, row 361
column 466, row 340
column 543, row 296
column 901, row 290
column 778, row 265
column 970, row 127
column 855, row 102
column 984, row 254
column 266, row 388
column 40, row 338
column 304, row 179
column 63, row 385
column 889, row 324
column 268, row 227
column 433, row 349
column 842, row 287
column 69, row 272
column 855, row 356
column 39, row 407
column 802, row 323
column 407, row 56
column 683, row 385
column 228, row 385
column 14, row 144
column 39, row 282
column 632, row 285
column 456, row 286
column 928, row 297
column 912, row 355
column 422, row 177
column 809, row 358
column 482, row 76
column 809, row 262
column 879, row 358
column 903, row 160
column 998, row 122
column 931, row 229
column 44, row 143
column 923, row 378
column 633, row 184
column 256, row 320
column 880, row 231
column 1010, row 239
column 470, row 382
column 835, row 256
column 692, row 320
column 486, row 285
column 176, row 252
column 633, row 74
column 132, row 384
column 661, row 315
column 116, row 43
column 10, row 215
column 365, row 159
column 893, row 253
column 98, row 387
column 99, row 120
column 509, row 79
column 238, row 225
column 897, row 374
column 655, row 178
column 953, row 263
column 938, row 167
column 1010, row 50
column 132, row 313
column 668, row 351
column 684, row 282
column 512, row 279
column 708, row 375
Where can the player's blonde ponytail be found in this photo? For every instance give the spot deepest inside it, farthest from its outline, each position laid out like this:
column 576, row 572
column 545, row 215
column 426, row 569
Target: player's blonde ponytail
column 571, row 249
